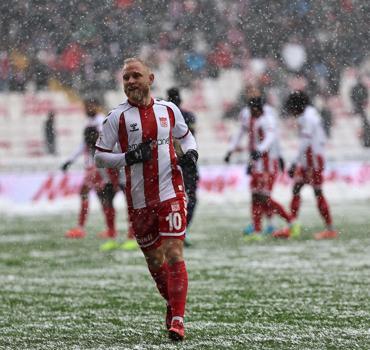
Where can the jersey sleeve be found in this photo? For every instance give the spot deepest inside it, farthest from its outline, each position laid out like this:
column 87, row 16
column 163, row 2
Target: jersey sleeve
column 269, row 127
column 180, row 129
column 109, row 134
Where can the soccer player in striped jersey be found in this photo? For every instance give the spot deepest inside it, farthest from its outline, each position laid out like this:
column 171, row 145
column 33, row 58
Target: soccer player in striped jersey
column 103, row 181
column 259, row 122
column 308, row 167
column 144, row 128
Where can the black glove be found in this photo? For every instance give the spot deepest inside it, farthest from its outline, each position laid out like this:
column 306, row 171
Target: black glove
column 190, row 158
column 281, row 164
column 227, row 157
column 291, row 170
column 255, row 155
column 140, row 154
column 65, row 166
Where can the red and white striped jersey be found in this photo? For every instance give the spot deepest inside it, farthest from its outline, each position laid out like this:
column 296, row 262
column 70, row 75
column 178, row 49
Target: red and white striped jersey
column 312, row 138
column 262, row 136
column 160, row 178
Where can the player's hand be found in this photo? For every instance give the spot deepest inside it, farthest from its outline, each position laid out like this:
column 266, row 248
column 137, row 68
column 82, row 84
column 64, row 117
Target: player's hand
column 255, row 155
column 65, row 166
column 281, row 164
column 227, row 157
column 142, row 153
column 190, row 158
column 291, row 170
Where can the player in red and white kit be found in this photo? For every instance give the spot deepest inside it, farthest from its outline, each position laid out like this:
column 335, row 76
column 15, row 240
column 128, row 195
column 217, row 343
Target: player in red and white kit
column 308, row 167
column 104, row 181
column 259, row 122
column 144, row 129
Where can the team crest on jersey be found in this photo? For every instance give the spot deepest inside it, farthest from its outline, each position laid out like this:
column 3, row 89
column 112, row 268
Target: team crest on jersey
column 175, row 206
column 163, row 122
column 134, row 127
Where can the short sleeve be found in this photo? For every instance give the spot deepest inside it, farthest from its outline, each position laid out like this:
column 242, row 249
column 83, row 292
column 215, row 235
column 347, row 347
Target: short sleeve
column 109, row 134
column 180, row 128
column 244, row 117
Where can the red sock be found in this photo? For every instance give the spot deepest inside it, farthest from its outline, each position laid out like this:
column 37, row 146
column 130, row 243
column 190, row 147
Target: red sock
column 323, row 206
column 257, row 214
column 84, row 209
column 177, row 288
column 161, row 279
column 275, row 207
column 294, row 205
column 110, row 215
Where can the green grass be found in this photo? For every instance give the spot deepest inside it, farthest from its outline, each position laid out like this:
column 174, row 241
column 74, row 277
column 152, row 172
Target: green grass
column 299, row 294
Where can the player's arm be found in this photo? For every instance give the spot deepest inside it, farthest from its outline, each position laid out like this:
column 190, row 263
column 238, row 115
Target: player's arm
column 77, row 153
column 236, row 140
column 104, row 155
column 187, row 142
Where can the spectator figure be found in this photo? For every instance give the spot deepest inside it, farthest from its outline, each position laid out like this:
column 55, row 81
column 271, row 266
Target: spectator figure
column 360, row 98
column 49, row 129
column 143, row 127
column 189, row 171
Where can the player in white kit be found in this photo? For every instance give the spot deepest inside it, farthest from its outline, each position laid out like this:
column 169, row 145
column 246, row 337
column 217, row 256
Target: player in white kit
column 308, row 167
column 105, row 182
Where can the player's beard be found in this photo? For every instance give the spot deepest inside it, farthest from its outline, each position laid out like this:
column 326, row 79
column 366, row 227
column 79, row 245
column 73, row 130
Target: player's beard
column 137, row 95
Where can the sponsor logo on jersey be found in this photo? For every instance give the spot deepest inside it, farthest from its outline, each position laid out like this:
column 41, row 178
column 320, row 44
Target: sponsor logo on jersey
column 159, row 142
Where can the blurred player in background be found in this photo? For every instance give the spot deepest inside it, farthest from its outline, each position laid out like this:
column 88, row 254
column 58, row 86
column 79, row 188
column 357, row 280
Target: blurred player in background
column 258, row 120
column 308, row 167
column 104, row 181
column 144, row 129
column 189, row 169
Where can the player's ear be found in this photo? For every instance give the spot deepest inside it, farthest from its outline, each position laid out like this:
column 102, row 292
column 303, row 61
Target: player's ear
column 151, row 78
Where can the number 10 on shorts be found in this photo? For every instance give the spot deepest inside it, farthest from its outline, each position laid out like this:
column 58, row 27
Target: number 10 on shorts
column 174, row 221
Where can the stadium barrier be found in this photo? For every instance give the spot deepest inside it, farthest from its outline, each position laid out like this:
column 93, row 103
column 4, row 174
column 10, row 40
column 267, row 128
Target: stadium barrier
column 27, row 190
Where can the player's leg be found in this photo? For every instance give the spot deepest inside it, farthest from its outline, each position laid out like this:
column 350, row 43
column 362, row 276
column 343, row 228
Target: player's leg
column 106, row 197
column 79, row 231
column 172, row 225
column 257, row 210
column 253, row 232
column 158, row 269
column 177, row 285
column 325, row 213
column 295, row 202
